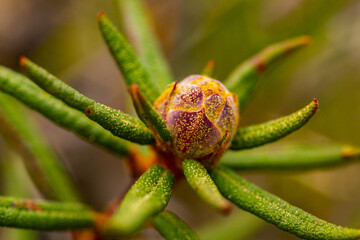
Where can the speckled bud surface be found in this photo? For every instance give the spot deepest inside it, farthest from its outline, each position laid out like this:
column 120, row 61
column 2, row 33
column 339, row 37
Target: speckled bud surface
column 198, row 111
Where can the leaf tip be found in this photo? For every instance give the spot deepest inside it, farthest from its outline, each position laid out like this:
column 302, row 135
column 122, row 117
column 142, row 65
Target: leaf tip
column 100, row 220
column 133, row 88
column 305, row 40
column 350, row 152
column 22, row 61
column 226, row 208
column 100, row 15
column 316, row 104
column 211, row 63
column 209, row 68
column 297, row 43
column 135, row 93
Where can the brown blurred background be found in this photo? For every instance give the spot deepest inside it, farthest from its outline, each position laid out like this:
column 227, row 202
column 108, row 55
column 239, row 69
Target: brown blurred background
column 62, row 36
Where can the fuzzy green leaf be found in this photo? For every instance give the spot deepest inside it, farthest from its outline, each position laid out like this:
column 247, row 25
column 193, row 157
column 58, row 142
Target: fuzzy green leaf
column 257, row 135
column 44, row 215
column 139, row 30
column 117, row 122
column 244, row 78
column 290, row 158
column 34, row 97
column 44, row 167
column 148, row 114
column 199, row 180
column 147, row 197
column 171, row 227
column 275, row 210
column 126, row 59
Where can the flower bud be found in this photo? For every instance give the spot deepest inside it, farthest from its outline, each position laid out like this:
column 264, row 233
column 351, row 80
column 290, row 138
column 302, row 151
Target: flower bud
column 200, row 114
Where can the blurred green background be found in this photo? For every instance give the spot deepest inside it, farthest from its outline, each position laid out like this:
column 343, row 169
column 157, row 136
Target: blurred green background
column 62, row 36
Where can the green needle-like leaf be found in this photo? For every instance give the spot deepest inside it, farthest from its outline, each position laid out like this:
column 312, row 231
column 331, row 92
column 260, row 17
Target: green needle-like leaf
column 147, row 197
column 275, row 210
column 42, row 215
column 34, row 97
column 19, row 234
column 126, row 59
column 171, row 227
column 199, row 180
column 238, row 226
column 117, row 122
column 44, row 167
column 209, row 68
column 139, row 30
column 148, row 114
column 290, row 158
column 243, row 79
column 257, row 135
column 13, row 169
column 16, row 183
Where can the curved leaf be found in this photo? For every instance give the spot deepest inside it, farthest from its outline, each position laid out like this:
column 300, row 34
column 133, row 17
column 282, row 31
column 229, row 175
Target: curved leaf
column 139, row 30
column 34, row 97
column 126, row 59
column 171, row 227
column 277, row 211
column 147, row 197
column 44, row 167
column 238, row 226
column 117, row 122
column 16, row 183
column 44, row 215
column 243, row 79
column 257, row 135
column 200, row 181
column 290, row 158
column 148, row 114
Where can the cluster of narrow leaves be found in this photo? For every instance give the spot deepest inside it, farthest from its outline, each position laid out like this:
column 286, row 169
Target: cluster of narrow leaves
column 147, row 76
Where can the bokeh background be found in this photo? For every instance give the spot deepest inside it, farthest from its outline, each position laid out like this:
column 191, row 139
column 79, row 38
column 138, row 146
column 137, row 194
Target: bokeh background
column 62, row 36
